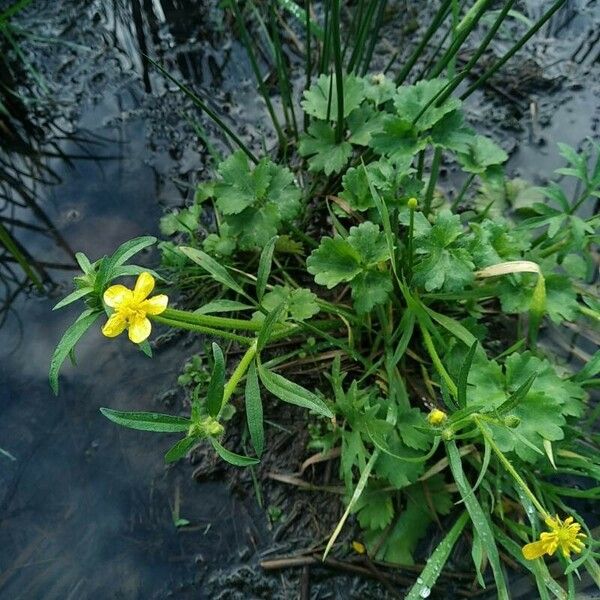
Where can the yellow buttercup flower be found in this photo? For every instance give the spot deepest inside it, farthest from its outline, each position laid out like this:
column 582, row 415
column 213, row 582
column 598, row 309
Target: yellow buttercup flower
column 436, row 417
column 563, row 534
column 131, row 308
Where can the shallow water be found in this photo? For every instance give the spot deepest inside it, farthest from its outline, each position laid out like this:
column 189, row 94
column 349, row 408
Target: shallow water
column 86, row 508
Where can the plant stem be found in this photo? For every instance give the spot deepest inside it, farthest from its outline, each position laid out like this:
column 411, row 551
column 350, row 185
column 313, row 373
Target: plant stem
column 512, row 471
column 209, row 321
column 463, row 29
column 259, row 80
column 239, row 372
column 411, row 231
column 463, row 191
column 205, row 108
column 374, row 36
column 200, row 329
column 435, row 169
column 437, row 363
column 337, row 57
column 308, row 73
column 418, row 51
column 456, row 81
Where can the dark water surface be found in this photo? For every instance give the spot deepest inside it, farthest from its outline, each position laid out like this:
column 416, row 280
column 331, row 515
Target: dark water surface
column 86, row 508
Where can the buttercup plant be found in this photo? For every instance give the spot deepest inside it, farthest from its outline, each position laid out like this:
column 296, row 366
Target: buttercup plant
column 437, row 418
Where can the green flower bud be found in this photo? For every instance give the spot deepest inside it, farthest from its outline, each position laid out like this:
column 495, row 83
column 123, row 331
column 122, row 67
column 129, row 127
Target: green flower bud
column 447, row 434
column 512, row 421
column 412, row 203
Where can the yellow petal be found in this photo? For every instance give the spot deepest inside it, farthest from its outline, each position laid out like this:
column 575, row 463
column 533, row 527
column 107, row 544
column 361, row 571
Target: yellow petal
column 116, row 295
column 534, row 550
column 143, row 286
column 139, row 330
column 115, row 325
column 155, row 305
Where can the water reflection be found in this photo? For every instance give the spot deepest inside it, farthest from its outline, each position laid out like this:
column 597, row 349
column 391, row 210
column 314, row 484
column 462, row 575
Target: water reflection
column 86, row 509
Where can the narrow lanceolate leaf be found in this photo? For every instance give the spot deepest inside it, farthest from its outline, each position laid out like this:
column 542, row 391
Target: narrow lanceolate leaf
column 218, row 271
column 214, row 395
column 407, row 325
column 463, row 375
column 180, row 449
column 436, row 562
column 73, row 296
column 358, row 490
column 131, row 248
column 517, row 396
column 292, row 393
column 68, row 341
column 264, row 268
column 147, row 421
column 478, row 517
column 123, row 253
column 254, row 411
column 453, row 326
column 231, row 457
column 268, row 326
column 84, row 262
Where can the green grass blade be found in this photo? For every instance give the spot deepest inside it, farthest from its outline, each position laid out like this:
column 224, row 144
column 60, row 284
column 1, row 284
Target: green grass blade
column 464, row 28
column 206, row 109
column 339, row 74
column 9, row 243
column 435, row 563
column 358, row 490
column 246, row 40
column 437, row 20
column 478, row 517
column 13, row 9
column 501, row 62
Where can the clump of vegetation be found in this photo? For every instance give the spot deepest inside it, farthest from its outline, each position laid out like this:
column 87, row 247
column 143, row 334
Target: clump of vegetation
column 438, row 417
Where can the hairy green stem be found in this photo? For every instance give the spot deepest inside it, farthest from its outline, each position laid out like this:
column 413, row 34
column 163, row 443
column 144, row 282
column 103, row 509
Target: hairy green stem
column 209, row 320
column 512, row 471
column 201, row 329
column 239, row 372
column 437, row 362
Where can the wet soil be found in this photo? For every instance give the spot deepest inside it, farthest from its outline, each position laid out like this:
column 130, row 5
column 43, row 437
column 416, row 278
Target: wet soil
column 87, row 510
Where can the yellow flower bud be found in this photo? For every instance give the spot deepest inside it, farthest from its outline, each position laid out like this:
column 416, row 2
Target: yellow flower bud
column 412, row 203
column 436, row 417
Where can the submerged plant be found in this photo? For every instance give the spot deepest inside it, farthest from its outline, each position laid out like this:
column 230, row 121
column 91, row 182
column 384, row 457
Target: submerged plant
column 352, row 253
